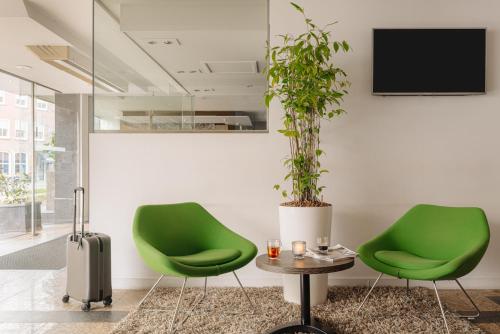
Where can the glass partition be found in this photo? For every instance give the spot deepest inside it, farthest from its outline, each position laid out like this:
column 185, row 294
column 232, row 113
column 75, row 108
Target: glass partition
column 38, row 157
column 16, row 157
column 56, row 154
column 172, row 65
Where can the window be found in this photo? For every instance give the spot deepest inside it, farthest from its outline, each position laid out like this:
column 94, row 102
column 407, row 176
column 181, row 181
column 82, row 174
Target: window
column 21, row 166
column 22, row 101
column 4, row 163
column 42, row 105
column 41, row 166
column 21, row 129
column 2, row 97
column 4, row 128
column 39, row 132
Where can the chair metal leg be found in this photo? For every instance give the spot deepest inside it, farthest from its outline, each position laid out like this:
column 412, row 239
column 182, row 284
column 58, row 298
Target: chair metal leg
column 441, row 308
column 195, row 305
column 245, row 293
column 470, row 317
column 151, row 290
column 407, row 285
column 177, row 307
column 369, row 292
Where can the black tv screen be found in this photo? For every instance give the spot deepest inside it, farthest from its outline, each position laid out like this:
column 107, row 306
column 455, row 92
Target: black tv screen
column 429, row 61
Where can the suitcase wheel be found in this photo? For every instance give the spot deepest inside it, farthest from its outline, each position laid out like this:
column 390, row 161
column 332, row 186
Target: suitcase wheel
column 107, row 301
column 85, row 307
column 65, row 299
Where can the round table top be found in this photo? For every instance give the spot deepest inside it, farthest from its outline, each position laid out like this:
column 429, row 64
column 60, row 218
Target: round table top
column 287, row 264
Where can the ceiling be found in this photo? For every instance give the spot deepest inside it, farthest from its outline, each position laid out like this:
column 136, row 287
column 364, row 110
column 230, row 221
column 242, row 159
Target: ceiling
column 131, row 48
column 51, row 22
column 183, row 36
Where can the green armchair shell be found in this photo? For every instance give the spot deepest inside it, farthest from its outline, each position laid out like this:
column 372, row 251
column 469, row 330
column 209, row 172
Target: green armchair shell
column 185, row 240
column 430, row 243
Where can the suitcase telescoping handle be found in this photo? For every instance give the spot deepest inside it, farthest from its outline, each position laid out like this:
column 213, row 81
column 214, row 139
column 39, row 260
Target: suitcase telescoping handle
column 82, row 203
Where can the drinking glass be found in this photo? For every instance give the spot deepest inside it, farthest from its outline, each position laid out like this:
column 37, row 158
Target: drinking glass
column 273, row 248
column 323, row 243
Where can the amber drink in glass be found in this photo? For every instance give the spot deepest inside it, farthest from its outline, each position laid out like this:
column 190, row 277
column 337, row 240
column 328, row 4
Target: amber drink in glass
column 273, row 248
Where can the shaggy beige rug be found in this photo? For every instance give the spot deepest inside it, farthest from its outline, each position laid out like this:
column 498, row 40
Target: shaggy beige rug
column 225, row 310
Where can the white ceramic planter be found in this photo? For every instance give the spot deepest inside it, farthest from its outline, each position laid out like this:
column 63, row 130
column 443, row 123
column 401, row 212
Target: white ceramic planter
column 304, row 223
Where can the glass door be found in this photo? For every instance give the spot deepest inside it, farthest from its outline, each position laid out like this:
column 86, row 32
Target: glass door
column 39, row 162
column 16, row 156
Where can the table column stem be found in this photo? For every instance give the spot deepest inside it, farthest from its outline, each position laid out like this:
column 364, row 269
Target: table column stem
column 305, row 299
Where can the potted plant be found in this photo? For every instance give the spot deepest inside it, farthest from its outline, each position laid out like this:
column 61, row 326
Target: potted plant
column 310, row 88
column 15, row 208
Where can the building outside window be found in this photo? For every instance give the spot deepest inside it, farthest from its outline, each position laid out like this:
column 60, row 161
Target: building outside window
column 2, row 97
column 42, row 105
column 21, row 165
column 41, row 167
column 22, row 101
column 4, row 163
column 4, row 128
column 21, row 129
column 39, row 132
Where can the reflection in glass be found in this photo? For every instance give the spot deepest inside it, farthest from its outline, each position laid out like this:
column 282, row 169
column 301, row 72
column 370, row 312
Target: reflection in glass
column 175, row 65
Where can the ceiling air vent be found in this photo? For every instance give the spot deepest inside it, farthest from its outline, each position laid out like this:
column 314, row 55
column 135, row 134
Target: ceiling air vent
column 72, row 62
column 236, row 67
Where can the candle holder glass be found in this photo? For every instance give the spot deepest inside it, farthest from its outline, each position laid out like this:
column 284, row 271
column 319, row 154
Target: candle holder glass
column 299, row 249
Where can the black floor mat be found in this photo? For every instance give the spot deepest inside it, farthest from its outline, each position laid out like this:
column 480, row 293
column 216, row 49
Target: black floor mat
column 50, row 255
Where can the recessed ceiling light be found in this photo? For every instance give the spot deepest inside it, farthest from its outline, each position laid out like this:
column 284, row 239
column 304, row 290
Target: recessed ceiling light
column 180, row 72
column 196, row 90
column 193, row 71
column 163, row 42
column 23, row 67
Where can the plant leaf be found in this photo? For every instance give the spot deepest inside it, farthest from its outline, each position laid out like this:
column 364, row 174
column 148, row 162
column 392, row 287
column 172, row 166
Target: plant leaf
column 297, row 7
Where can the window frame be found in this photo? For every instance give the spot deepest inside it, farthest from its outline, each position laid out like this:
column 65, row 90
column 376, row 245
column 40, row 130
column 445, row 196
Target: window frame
column 22, row 98
column 16, row 163
column 7, row 128
column 16, row 128
column 3, row 163
column 36, row 132
column 45, row 103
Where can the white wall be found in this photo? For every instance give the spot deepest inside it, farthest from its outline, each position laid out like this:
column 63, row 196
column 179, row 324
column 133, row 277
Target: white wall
column 385, row 155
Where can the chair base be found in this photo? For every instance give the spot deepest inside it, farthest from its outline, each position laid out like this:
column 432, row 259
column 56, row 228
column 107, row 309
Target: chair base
column 173, row 327
column 469, row 317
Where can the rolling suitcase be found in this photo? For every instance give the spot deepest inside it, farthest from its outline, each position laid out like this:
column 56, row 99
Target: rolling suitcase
column 88, row 262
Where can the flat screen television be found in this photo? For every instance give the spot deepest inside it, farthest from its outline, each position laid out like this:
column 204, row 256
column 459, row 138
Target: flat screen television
column 429, row 61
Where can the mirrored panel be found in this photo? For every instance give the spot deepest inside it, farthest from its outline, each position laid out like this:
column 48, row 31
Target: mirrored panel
column 180, row 65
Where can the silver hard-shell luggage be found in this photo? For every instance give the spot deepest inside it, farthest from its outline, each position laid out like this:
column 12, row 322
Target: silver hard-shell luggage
column 88, row 263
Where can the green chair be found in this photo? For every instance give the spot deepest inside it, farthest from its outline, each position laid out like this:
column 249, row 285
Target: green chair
column 430, row 243
column 185, row 240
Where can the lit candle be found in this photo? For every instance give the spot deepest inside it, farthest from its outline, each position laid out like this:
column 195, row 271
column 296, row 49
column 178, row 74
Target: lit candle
column 298, row 249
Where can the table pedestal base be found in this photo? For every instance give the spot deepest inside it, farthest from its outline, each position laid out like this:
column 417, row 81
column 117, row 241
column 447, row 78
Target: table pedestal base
column 298, row 327
column 306, row 323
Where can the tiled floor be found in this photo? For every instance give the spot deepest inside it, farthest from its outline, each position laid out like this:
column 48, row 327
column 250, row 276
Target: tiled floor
column 488, row 302
column 30, row 302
